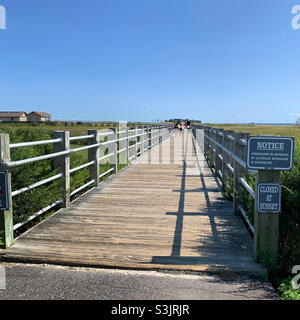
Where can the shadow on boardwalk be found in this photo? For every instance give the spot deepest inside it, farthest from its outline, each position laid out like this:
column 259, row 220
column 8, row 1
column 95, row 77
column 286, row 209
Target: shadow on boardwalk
column 225, row 249
column 162, row 216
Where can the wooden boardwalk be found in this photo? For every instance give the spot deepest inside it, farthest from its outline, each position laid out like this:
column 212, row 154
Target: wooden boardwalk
column 167, row 213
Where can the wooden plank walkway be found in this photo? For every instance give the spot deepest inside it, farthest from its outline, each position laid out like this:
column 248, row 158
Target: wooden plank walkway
column 167, row 213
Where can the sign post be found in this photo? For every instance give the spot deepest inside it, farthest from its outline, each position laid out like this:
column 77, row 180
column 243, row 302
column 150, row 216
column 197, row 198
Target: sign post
column 6, row 214
column 268, row 155
column 4, row 201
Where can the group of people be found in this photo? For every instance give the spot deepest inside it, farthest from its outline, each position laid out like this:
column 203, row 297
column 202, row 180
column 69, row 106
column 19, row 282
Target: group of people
column 180, row 125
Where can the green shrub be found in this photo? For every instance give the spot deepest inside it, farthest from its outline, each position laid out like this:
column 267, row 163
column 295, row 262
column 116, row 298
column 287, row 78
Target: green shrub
column 286, row 290
column 289, row 237
column 228, row 189
column 289, row 227
column 29, row 202
column 246, row 200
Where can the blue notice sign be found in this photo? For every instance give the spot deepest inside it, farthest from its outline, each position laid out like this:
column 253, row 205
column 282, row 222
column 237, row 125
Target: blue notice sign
column 4, row 203
column 270, row 153
column 269, row 198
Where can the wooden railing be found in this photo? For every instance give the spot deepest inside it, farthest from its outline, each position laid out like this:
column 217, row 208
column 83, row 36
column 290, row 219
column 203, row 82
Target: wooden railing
column 226, row 153
column 121, row 146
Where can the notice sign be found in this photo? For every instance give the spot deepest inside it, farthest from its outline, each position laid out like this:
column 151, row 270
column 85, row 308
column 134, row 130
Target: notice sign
column 270, row 153
column 269, row 197
column 4, row 203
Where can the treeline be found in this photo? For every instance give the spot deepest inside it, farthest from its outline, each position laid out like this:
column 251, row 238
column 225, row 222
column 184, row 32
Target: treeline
column 185, row 120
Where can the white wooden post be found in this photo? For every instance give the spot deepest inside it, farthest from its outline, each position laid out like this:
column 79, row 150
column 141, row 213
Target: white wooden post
column 63, row 164
column 206, row 142
column 142, row 138
column 222, row 142
column 241, row 152
column 145, row 137
column 150, row 136
column 131, row 146
column 237, row 149
column 6, row 216
column 136, row 142
column 219, row 152
column 226, row 158
column 123, row 144
column 94, row 155
column 214, row 151
column 209, row 146
column 113, row 148
column 128, row 145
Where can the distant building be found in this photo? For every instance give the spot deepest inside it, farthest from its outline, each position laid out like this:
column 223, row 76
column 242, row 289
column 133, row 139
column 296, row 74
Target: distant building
column 35, row 116
column 11, row 116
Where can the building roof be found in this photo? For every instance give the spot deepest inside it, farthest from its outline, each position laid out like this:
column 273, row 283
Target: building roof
column 42, row 114
column 12, row 113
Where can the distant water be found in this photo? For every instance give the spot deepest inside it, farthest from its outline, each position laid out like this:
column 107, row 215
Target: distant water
column 265, row 124
column 277, row 124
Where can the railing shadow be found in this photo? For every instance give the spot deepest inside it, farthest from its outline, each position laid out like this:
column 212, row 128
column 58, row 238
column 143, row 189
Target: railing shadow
column 207, row 246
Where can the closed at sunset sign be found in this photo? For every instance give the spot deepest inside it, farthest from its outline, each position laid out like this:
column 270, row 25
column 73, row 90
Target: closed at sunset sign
column 269, row 198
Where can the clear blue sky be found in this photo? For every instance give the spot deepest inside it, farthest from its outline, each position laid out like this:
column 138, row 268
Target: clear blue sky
column 218, row 61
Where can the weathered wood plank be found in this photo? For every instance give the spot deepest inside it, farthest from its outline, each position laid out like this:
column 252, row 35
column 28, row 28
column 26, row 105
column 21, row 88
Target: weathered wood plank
column 170, row 216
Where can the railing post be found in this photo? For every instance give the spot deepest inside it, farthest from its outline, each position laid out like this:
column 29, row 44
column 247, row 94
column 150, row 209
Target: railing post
column 142, row 137
column 150, row 137
column 128, row 145
column 63, row 164
column 6, row 216
column 160, row 134
column 206, row 142
column 146, row 142
column 214, row 151
column 226, row 158
column 219, row 166
column 153, row 133
column 123, row 144
column 199, row 136
column 237, row 149
column 266, row 225
column 136, row 132
column 209, row 146
column 113, row 148
column 94, row 155
column 131, row 146
column 222, row 142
